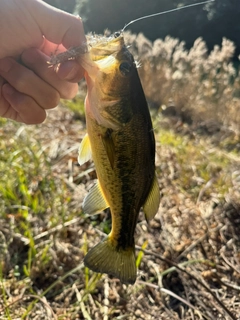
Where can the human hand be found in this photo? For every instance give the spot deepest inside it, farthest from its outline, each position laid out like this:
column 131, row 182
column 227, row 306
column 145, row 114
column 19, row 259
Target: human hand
column 28, row 86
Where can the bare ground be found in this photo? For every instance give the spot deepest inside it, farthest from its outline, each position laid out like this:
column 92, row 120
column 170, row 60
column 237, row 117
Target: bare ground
column 190, row 267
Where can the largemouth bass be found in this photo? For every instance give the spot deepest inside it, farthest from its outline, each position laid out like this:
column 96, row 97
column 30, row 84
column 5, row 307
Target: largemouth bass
column 120, row 140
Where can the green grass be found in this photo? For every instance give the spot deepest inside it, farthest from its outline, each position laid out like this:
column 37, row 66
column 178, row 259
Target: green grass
column 28, row 191
column 77, row 107
column 27, row 183
column 46, row 249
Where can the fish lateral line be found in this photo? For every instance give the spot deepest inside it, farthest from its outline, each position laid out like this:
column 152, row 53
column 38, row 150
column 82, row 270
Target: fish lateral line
column 162, row 13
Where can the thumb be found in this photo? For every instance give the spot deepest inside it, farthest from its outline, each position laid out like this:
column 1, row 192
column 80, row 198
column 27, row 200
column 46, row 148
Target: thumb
column 56, row 25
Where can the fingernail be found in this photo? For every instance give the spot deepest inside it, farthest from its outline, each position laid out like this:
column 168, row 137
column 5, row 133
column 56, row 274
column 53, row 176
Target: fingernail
column 5, row 65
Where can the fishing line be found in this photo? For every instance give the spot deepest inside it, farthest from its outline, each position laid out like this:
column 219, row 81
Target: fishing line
column 75, row 52
column 167, row 11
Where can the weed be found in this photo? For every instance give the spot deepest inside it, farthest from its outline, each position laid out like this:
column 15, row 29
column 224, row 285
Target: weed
column 44, row 234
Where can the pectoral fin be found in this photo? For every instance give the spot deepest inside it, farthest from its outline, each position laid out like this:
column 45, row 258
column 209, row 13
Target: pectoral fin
column 109, row 147
column 85, row 152
column 151, row 204
column 94, row 201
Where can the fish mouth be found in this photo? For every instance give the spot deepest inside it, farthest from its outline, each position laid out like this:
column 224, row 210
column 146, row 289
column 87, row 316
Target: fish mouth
column 102, row 55
column 100, row 47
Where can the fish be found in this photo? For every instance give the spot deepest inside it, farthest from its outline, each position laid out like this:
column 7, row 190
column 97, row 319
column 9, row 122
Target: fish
column 120, row 141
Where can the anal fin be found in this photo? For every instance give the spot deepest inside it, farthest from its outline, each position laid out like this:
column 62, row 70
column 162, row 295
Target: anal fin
column 94, row 201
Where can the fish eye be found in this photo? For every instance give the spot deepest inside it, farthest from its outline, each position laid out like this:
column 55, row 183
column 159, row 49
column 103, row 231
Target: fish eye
column 125, row 68
column 117, row 34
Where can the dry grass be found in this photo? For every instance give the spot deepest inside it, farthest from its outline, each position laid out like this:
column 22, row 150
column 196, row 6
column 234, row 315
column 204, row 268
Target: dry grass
column 191, row 265
column 188, row 256
column 202, row 87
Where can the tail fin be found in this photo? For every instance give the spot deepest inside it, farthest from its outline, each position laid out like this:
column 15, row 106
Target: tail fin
column 106, row 258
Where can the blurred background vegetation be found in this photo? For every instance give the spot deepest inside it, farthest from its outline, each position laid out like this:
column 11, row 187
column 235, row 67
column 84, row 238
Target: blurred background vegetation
column 191, row 56
column 212, row 21
column 190, row 77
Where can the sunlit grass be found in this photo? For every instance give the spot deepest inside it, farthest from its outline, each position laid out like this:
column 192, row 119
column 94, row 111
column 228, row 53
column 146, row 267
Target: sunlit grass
column 196, row 162
column 202, row 87
column 26, row 180
column 34, row 200
column 30, row 191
